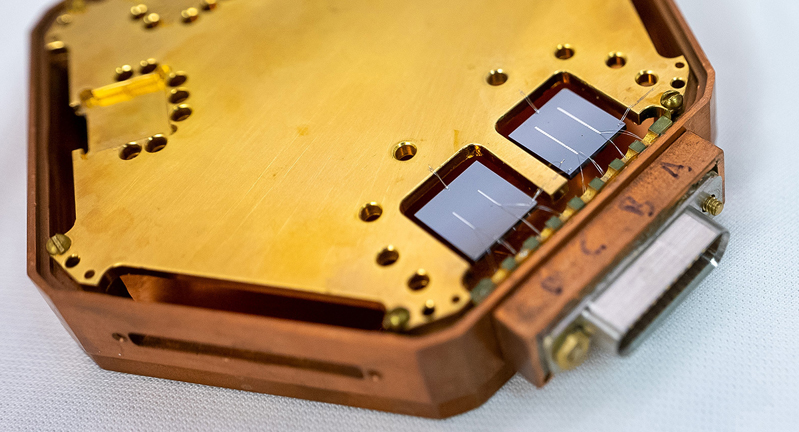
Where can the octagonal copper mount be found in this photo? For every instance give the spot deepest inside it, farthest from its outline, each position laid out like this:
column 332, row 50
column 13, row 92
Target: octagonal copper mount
column 438, row 374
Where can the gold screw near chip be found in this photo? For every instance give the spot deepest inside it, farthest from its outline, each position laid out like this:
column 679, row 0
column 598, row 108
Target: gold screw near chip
column 396, row 319
column 190, row 15
column 152, row 20
column 58, row 244
column 138, row 11
column 208, row 4
column 672, row 100
column 65, row 19
column 572, row 349
column 713, row 205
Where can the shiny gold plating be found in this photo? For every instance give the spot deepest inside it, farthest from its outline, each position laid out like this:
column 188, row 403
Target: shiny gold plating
column 293, row 113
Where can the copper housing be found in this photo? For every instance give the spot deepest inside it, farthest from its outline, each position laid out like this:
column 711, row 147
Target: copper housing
column 438, row 373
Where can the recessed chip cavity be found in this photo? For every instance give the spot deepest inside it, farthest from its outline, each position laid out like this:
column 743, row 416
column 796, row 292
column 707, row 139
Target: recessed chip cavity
column 567, row 132
column 475, row 210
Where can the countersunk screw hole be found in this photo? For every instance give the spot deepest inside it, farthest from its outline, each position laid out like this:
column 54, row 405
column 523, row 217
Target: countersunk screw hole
column 404, row 151
column 129, row 151
column 72, row 261
column 564, row 51
column 387, row 256
column 371, row 212
column 646, row 78
column 419, row 281
column 156, row 143
column 148, row 66
column 497, row 77
column 678, row 83
column 178, row 95
column 616, row 60
column 124, row 73
column 177, row 79
column 181, row 112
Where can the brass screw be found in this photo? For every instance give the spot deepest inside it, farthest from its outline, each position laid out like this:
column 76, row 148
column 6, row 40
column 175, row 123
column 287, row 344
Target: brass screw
column 396, row 319
column 712, row 205
column 190, row 15
column 138, row 11
column 56, row 47
column 208, row 4
column 573, row 349
column 152, row 20
column 64, row 20
column 672, row 100
column 58, row 244
column 76, row 5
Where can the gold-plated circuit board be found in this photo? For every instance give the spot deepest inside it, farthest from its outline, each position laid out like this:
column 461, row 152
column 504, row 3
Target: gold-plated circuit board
column 280, row 123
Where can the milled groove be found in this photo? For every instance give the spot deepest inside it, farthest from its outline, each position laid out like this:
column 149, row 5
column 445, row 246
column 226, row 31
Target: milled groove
column 148, row 341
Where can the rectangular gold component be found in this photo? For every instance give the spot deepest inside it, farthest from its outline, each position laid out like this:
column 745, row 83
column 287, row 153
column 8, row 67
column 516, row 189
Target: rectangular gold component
column 126, row 90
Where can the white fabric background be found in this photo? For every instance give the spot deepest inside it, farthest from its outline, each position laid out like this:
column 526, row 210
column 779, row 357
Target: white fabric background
column 726, row 360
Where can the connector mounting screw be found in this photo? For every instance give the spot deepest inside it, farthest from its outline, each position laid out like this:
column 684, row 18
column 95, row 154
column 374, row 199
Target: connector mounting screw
column 573, row 348
column 712, row 205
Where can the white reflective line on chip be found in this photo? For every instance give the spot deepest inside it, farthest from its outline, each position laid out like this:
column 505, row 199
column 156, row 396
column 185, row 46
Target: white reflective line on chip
column 556, row 140
column 578, row 120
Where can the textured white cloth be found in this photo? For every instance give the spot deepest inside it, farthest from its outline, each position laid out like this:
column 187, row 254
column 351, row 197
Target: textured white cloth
column 726, row 360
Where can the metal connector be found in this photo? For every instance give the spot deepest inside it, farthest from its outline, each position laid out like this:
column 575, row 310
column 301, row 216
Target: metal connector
column 651, row 281
column 656, row 281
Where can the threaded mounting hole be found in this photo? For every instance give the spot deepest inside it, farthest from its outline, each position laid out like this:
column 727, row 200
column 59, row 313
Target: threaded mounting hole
column 419, row 281
column 387, row 256
column 72, row 261
column 678, row 83
column 371, row 212
column 616, row 60
column 646, row 78
column 177, row 79
column 129, row 151
column 405, row 151
column 156, row 143
column 178, row 95
column 181, row 112
column 564, row 51
column 497, row 77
